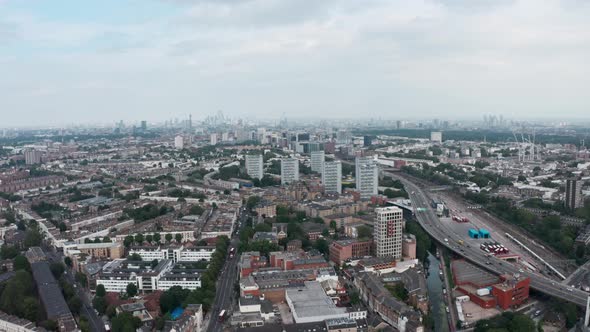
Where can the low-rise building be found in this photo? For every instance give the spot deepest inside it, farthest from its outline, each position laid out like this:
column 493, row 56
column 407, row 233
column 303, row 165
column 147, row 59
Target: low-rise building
column 343, row 250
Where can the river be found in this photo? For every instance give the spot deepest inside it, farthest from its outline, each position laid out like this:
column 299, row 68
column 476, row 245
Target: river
column 435, row 295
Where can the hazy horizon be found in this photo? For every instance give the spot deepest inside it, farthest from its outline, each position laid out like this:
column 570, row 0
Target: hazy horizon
column 67, row 62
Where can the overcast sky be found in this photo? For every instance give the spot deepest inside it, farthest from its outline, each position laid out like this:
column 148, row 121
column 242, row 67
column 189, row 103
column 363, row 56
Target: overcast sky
column 109, row 60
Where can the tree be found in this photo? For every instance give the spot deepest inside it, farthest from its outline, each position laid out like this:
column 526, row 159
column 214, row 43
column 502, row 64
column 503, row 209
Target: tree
column 134, row 257
column 57, row 269
column 157, row 237
column 322, row 246
column 196, row 210
column 81, row 279
column 252, row 202
column 149, row 238
column 168, row 237
column 125, row 322
column 333, row 224
column 74, row 303
column 68, row 261
column 178, row 237
column 128, row 241
column 30, row 308
column 131, row 289
column 62, row 227
column 154, row 263
column 8, row 252
column 50, row 325
column 139, row 238
column 106, row 239
column 100, row 304
column 21, row 263
column 100, row 290
column 364, row 232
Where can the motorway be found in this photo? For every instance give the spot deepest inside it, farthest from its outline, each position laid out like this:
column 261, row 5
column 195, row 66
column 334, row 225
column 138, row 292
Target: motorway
column 430, row 222
column 224, row 295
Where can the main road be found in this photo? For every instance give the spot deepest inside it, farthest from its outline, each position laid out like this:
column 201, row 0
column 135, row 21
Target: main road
column 431, row 224
column 224, row 294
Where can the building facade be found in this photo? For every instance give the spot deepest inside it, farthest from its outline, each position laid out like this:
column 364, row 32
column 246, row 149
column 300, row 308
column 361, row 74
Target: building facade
column 255, row 166
column 436, row 136
column 317, row 161
column 367, row 176
column 573, row 194
column 289, row 170
column 332, row 177
column 388, row 232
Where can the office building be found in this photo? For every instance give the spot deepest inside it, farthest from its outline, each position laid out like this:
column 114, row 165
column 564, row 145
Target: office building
column 388, row 232
column 289, row 170
column 179, row 142
column 32, row 157
column 367, row 177
column 317, row 161
column 143, row 125
column 255, row 166
column 332, row 177
column 436, row 136
column 213, row 140
column 573, row 194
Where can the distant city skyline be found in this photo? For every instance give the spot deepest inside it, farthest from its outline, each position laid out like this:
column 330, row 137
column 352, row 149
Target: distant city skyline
column 66, row 62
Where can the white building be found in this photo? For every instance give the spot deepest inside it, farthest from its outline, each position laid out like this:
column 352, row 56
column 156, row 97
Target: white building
column 213, row 139
column 289, row 170
column 10, row 323
column 317, row 161
column 179, row 142
column 367, row 176
column 186, row 281
column 196, row 254
column 332, row 176
column 255, row 166
column 176, row 254
column 436, row 136
column 388, row 232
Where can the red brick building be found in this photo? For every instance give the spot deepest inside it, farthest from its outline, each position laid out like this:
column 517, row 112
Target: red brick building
column 342, row 250
column 512, row 291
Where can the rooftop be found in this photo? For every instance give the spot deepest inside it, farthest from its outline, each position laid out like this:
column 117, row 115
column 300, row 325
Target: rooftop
column 311, row 301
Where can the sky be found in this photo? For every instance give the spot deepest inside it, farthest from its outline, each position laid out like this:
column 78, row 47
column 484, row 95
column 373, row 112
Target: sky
column 65, row 62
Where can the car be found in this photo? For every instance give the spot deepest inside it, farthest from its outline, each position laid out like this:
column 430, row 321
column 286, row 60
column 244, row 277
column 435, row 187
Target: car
column 537, row 313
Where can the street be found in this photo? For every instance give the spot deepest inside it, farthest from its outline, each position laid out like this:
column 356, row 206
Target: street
column 225, row 294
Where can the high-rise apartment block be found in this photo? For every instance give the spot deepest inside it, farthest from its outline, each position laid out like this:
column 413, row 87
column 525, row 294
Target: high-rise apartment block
column 332, row 177
column 388, row 232
column 254, row 166
column 179, row 142
column 573, row 194
column 436, row 136
column 33, row 156
column 289, row 170
column 367, row 176
column 213, row 139
column 317, row 161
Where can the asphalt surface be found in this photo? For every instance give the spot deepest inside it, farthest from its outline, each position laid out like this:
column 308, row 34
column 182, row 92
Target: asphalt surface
column 96, row 323
column 438, row 231
column 225, row 295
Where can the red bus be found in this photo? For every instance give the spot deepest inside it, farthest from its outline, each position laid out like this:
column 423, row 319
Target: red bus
column 221, row 317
